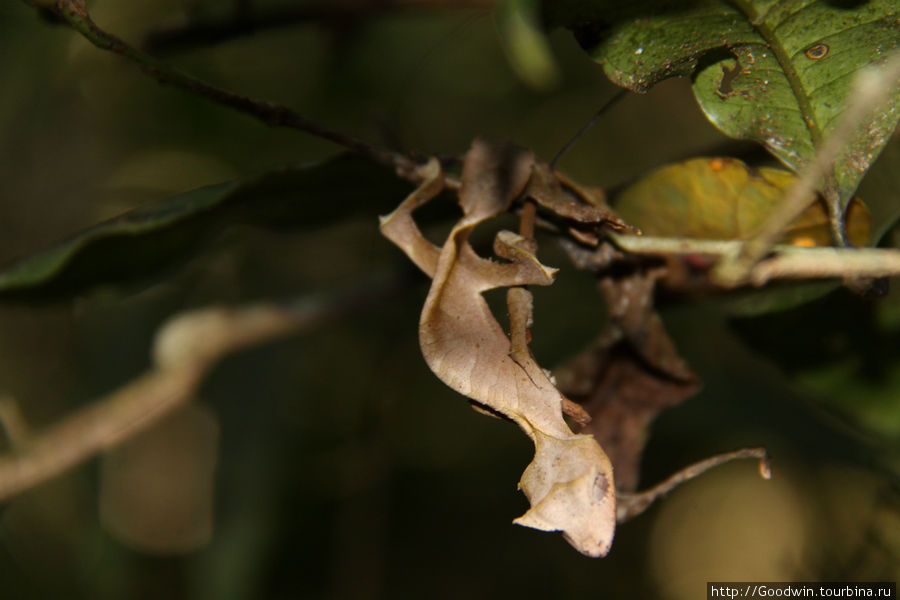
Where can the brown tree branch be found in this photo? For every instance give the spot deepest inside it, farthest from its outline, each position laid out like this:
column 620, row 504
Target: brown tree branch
column 75, row 13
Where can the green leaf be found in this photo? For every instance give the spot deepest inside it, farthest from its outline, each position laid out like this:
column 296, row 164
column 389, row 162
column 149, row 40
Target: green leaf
column 135, row 246
column 778, row 72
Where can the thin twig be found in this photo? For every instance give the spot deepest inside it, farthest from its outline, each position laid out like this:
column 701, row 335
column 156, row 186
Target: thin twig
column 661, row 246
column 211, row 31
column 527, row 219
column 873, row 88
column 786, row 262
column 584, row 128
column 186, row 347
column 631, row 505
column 75, row 13
column 827, row 263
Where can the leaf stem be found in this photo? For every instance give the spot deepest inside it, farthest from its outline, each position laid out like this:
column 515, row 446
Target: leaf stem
column 527, row 219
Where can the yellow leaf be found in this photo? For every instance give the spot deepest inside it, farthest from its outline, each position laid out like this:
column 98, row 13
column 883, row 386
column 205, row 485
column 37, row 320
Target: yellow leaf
column 723, row 198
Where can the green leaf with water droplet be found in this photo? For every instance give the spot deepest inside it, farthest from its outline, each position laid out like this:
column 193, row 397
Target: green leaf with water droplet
column 777, row 72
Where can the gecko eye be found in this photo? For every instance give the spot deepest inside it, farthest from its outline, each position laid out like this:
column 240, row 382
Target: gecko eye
column 816, row 51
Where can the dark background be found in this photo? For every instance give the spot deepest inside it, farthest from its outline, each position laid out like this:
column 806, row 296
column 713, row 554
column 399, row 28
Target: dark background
column 345, row 468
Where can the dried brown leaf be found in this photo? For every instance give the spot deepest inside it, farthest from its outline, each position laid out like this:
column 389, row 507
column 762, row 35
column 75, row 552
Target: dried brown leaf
column 630, row 374
column 626, row 398
column 569, row 483
column 545, row 187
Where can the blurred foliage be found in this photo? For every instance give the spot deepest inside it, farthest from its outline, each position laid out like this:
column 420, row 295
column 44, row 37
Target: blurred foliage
column 140, row 243
column 346, row 470
column 842, row 349
column 526, row 44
